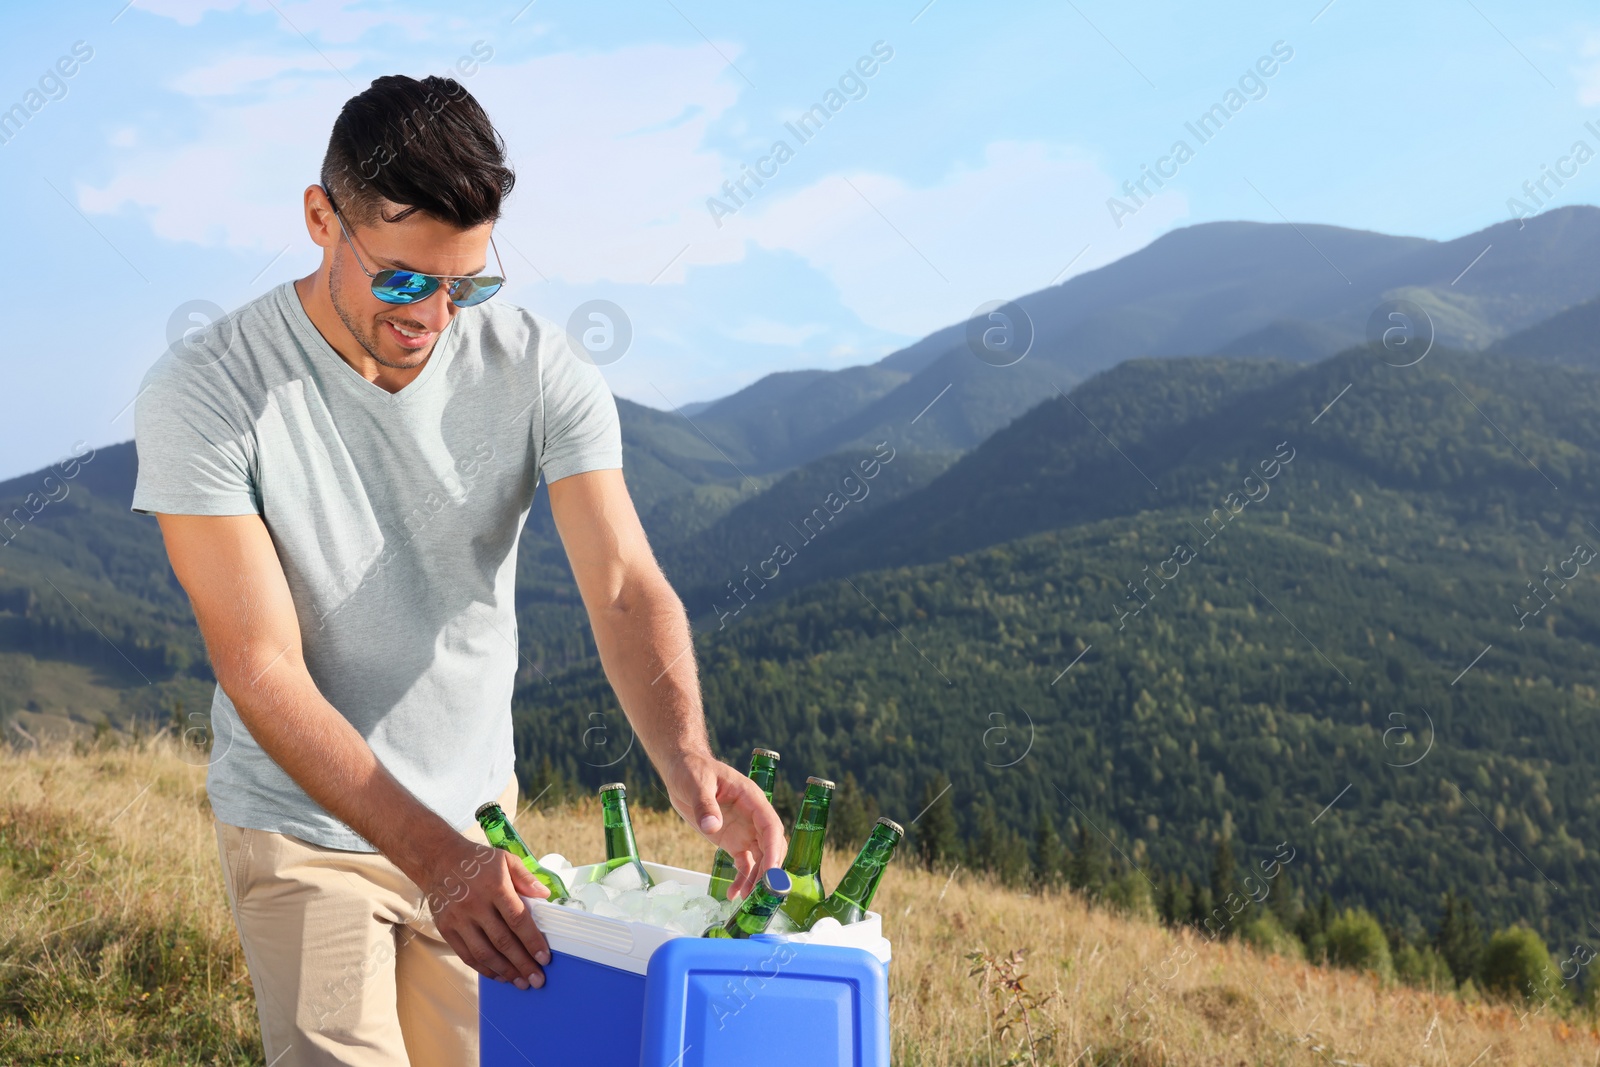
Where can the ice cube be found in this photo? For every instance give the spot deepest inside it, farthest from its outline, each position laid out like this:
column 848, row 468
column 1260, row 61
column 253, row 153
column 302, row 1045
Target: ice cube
column 624, row 877
column 572, row 902
column 591, row 894
column 555, row 861
column 609, row 910
column 826, row 925
column 663, row 910
column 633, row 902
column 688, row 924
column 669, row 888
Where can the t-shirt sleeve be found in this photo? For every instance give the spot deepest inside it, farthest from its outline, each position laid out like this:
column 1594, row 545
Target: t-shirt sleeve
column 193, row 458
column 581, row 431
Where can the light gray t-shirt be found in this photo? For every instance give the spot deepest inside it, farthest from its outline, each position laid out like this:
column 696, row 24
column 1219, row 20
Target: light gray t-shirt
column 396, row 518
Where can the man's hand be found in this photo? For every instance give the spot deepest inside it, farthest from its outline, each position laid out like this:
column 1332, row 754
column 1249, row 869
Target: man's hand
column 730, row 810
column 474, row 892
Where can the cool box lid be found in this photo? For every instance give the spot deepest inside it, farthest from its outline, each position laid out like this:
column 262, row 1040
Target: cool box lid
column 764, row 1000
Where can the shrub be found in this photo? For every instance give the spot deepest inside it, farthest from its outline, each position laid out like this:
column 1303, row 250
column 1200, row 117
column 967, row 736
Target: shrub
column 1263, row 930
column 1130, row 894
column 1424, row 967
column 1517, row 964
column 1355, row 940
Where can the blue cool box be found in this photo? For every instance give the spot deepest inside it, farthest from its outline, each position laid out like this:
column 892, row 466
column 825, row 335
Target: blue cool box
column 625, row 994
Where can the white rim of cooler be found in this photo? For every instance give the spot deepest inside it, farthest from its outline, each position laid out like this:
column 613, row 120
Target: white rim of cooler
column 627, row 945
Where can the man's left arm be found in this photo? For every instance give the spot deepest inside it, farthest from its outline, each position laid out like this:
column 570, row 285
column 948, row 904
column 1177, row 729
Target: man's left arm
column 642, row 631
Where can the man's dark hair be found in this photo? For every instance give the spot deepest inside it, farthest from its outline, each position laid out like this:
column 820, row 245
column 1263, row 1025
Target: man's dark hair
column 426, row 145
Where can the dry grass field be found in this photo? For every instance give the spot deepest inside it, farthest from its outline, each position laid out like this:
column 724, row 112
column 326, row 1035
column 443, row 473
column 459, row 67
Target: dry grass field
column 116, row 948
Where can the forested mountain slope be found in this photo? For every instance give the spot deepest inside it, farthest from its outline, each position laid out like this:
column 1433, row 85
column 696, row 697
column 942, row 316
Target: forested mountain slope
column 1329, row 605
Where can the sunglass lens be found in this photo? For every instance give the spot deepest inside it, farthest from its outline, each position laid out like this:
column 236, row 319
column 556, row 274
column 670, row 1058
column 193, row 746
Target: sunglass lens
column 472, row 291
column 402, row 286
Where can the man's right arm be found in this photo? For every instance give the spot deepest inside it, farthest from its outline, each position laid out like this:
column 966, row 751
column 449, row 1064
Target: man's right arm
column 229, row 567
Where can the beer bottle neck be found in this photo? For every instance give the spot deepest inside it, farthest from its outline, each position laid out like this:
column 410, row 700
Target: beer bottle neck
column 805, row 847
column 502, row 834
column 619, row 829
column 860, row 882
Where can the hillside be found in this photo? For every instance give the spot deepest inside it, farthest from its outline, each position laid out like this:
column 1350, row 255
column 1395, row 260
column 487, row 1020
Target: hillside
column 1355, row 600
column 1571, row 337
column 116, row 948
column 1299, row 292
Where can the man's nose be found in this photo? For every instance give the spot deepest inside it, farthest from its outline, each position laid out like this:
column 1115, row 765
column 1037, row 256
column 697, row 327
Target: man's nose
column 435, row 311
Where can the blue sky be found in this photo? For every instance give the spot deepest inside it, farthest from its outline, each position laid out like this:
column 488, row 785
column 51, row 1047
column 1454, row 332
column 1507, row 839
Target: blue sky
column 975, row 163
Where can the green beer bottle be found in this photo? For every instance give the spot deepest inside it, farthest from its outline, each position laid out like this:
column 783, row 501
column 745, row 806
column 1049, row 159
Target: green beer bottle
column 621, row 848
column 804, row 861
column 758, row 908
column 501, row 834
column 764, row 769
column 852, row 897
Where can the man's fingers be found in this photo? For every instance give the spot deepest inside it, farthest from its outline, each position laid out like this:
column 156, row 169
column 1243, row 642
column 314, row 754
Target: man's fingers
column 746, row 881
column 519, row 918
column 523, row 880
column 704, row 812
column 765, row 831
column 483, row 957
column 459, row 947
column 769, row 832
column 511, row 949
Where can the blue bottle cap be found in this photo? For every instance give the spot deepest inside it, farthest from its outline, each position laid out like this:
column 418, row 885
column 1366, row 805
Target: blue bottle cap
column 778, row 882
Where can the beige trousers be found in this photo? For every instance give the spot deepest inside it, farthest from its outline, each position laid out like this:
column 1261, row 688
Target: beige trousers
column 347, row 965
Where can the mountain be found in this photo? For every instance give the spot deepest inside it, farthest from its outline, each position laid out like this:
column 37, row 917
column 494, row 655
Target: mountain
column 1345, row 611
column 1303, row 342
column 1294, row 291
column 1571, row 337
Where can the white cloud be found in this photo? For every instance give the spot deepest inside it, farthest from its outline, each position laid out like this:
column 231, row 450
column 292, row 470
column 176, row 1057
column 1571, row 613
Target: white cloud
column 608, row 148
column 613, row 172
column 338, row 22
column 911, row 259
column 238, row 183
column 612, row 168
column 238, row 71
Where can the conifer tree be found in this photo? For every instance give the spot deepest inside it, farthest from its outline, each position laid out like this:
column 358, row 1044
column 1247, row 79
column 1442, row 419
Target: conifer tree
column 937, row 839
column 851, row 814
column 1087, row 871
column 1049, row 853
column 1224, row 875
column 1459, row 938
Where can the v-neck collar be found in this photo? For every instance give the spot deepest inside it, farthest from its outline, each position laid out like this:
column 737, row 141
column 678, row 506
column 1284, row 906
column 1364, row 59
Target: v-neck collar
column 443, row 350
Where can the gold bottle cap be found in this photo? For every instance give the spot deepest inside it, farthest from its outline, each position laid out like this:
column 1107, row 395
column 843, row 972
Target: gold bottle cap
column 813, row 780
column 891, row 824
column 614, row 785
column 767, row 752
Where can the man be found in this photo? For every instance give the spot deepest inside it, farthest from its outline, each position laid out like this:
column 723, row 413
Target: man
column 341, row 471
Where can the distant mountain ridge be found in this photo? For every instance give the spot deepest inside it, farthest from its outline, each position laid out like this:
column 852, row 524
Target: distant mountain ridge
column 1292, row 291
